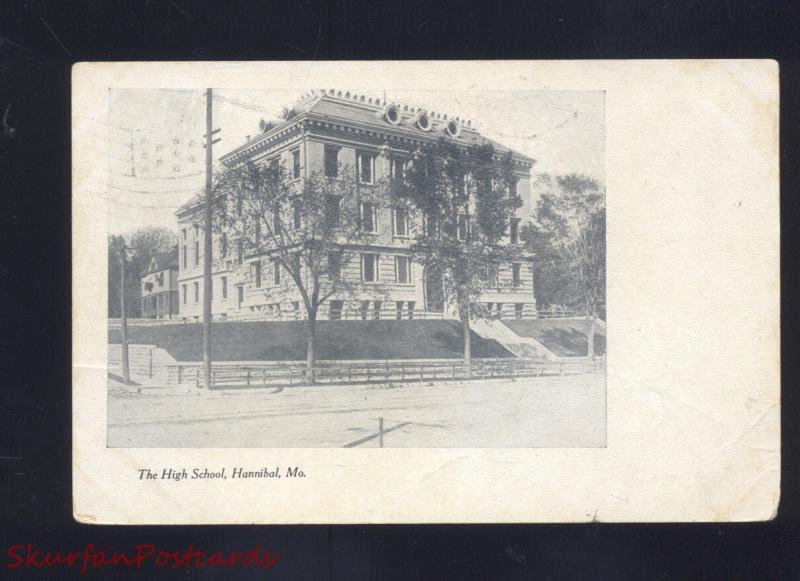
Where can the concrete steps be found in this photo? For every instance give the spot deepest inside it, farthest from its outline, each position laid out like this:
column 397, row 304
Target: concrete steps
column 525, row 347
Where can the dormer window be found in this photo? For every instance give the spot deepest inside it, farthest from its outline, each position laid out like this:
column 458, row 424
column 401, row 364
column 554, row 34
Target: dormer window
column 453, row 128
column 392, row 113
column 424, row 121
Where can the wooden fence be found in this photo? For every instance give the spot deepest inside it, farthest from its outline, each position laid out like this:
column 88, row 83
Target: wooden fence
column 344, row 372
column 385, row 313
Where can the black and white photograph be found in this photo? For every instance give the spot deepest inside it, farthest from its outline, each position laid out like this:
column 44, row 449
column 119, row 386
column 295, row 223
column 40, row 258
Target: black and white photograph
column 318, row 286
column 355, row 267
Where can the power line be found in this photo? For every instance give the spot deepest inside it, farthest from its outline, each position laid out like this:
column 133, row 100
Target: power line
column 167, row 192
column 243, row 105
column 138, row 177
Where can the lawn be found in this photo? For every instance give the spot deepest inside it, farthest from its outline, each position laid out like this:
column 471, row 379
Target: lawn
column 285, row 341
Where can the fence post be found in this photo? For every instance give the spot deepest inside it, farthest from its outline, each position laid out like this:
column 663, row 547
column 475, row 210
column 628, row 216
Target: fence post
column 380, row 431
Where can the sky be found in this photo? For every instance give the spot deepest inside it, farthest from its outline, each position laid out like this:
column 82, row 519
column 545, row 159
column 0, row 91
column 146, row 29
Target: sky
column 155, row 136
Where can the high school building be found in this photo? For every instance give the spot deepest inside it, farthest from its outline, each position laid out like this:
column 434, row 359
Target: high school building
column 331, row 129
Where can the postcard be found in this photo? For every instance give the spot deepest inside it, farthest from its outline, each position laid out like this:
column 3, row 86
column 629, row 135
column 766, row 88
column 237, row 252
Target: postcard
column 425, row 292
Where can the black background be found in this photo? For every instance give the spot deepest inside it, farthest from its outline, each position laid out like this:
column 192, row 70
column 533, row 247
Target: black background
column 39, row 41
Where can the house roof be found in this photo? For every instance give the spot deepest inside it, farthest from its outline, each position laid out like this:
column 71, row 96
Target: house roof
column 163, row 261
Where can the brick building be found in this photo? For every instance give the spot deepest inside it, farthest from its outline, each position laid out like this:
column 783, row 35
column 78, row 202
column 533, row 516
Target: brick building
column 330, row 129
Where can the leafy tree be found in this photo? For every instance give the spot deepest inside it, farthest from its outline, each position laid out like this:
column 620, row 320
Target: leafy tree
column 568, row 239
column 305, row 228
column 467, row 196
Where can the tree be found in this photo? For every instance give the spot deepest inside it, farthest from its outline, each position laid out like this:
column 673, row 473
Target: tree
column 467, row 196
column 142, row 244
column 568, row 239
column 305, row 228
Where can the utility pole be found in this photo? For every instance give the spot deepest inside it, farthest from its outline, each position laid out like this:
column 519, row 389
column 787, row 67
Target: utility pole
column 126, row 374
column 207, row 250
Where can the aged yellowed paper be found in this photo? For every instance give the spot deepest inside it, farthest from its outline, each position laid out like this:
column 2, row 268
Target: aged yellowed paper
column 436, row 292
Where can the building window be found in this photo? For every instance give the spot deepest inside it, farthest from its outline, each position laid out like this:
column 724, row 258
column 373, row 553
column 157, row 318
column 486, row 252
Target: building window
column 491, row 275
column 402, row 269
column 334, row 265
column 183, row 288
column 224, row 288
column 196, row 252
column 223, row 245
column 463, row 227
column 369, row 267
column 196, row 292
column 514, row 230
column 257, row 273
column 399, row 170
column 376, row 310
column 331, row 161
column 366, row 167
column 364, row 310
column 183, row 232
column 276, row 272
column 296, row 163
column 519, row 308
column 399, row 310
column 297, row 214
column 239, row 252
column 276, row 220
column 332, row 208
column 369, row 217
column 240, row 294
column 411, row 305
column 400, row 221
column 184, row 255
column 336, row 310
column 431, row 225
column 196, row 230
column 515, row 275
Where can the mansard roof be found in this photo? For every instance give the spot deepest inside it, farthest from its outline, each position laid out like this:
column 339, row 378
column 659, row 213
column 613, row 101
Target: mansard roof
column 361, row 114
